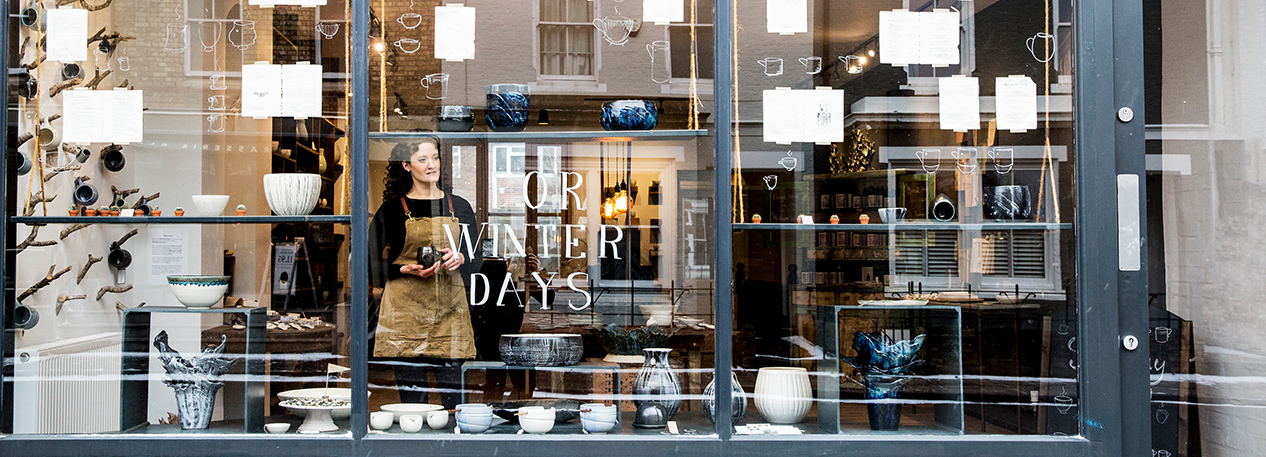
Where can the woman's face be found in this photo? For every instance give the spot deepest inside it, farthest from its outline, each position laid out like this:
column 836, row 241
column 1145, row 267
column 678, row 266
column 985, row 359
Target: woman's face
column 424, row 165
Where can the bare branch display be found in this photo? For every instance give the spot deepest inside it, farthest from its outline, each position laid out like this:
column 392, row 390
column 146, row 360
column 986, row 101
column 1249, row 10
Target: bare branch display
column 48, row 279
column 30, row 240
column 84, row 271
column 72, row 229
column 112, row 290
column 63, row 298
column 35, row 201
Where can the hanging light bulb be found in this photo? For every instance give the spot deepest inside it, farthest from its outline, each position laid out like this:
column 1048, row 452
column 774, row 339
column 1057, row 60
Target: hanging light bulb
column 622, row 202
column 608, row 209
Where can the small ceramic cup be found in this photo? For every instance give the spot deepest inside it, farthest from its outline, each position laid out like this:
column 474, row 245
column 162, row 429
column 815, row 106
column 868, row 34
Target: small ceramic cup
column 411, row 423
column 277, row 427
column 381, row 420
column 437, row 419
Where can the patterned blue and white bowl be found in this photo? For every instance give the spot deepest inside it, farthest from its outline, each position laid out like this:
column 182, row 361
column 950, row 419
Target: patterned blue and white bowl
column 629, row 115
column 196, row 291
column 292, row 194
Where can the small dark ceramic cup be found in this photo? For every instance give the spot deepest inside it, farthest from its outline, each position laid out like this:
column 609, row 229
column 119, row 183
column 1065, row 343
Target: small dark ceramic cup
column 112, row 158
column 454, row 118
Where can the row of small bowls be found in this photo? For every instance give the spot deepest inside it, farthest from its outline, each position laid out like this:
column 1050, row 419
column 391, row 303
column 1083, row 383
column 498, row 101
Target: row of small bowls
column 477, row 418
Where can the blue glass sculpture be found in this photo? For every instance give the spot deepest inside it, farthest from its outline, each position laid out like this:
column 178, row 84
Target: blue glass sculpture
column 629, row 115
column 507, row 107
column 883, row 364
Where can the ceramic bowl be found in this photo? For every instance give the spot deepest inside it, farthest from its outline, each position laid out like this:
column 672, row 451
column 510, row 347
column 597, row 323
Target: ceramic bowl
column 401, row 409
column 892, row 215
column 411, row 423
column 277, row 427
column 564, row 409
column 629, row 115
column 210, row 205
column 658, row 314
column 507, row 107
column 340, row 393
column 381, row 420
column 599, row 412
column 292, row 194
column 437, row 419
column 629, row 341
column 536, row 425
column 541, row 349
column 596, row 426
column 198, row 291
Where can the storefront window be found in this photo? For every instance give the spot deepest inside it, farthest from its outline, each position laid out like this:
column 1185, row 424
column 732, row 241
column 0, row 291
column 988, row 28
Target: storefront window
column 579, row 201
column 185, row 198
column 902, row 230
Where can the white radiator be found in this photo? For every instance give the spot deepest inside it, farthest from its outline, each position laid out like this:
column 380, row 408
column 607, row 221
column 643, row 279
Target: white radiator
column 69, row 386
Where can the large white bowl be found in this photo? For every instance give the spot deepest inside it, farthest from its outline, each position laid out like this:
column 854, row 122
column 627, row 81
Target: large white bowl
column 210, row 205
column 341, row 393
column 196, row 291
column 292, row 194
column 403, row 409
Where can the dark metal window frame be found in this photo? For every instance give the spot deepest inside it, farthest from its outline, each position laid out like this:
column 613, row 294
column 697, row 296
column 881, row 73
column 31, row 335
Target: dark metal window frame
column 1113, row 404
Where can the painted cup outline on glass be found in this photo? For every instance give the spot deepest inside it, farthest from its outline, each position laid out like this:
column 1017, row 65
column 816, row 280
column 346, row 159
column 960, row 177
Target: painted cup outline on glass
column 615, row 29
column 245, row 32
column 852, row 64
column 217, row 103
column 328, row 29
column 925, row 156
column 1002, row 166
column 1162, row 334
column 217, row 30
column 404, row 44
column 1031, row 43
column 788, row 162
column 218, row 82
column 436, row 85
column 211, row 121
column 177, row 38
column 659, row 71
column 410, row 20
column 772, row 65
column 124, row 63
column 812, row 64
column 965, row 158
column 771, row 181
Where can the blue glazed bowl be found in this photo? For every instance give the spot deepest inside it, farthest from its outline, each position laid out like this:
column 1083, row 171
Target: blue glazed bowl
column 629, row 115
column 195, row 291
column 507, row 107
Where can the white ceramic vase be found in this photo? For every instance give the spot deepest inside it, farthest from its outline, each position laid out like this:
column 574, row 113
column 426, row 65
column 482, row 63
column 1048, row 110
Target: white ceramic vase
column 783, row 394
column 292, row 194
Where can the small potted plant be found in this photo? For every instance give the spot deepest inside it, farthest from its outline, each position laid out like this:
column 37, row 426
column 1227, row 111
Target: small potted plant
column 74, row 211
column 103, row 211
column 179, row 211
column 863, row 219
column 114, row 211
column 835, row 219
column 755, row 218
column 241, row 210
column 90, row 211
column 155, row 211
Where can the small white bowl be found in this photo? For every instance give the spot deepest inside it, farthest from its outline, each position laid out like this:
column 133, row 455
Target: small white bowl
column 536, row 425
column 596, row 426
column 419, row 409
column 210, row 205
column 411, row 423
column 277, row 427
column 381, row 420
column 437, row 419
column 474, row 427
column 197, row 291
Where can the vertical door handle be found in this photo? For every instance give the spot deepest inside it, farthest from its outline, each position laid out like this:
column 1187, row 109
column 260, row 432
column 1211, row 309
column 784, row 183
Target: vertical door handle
column 1129, row 253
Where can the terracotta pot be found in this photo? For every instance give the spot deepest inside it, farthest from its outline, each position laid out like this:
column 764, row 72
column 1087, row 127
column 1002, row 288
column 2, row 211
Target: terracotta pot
column 241, row 212
column 756, row 218
column 114, row 213
column 74, row 212
column 179, row 213
column 156, row 213
column 864, row 219
column 90, row 212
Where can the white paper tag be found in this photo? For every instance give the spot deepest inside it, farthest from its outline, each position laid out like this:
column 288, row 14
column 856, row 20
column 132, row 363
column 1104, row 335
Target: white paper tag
column 662, row 12
column 786, row 17
column 809, row 116
column 103, row 116
column 301, row 91
column 959, row 103
column 454, row 33
column 261, row 90
column 67, row 37
column 930, row 38
column 1016, row 103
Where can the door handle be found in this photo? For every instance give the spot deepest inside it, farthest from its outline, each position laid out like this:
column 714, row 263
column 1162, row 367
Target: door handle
column 1129, row 253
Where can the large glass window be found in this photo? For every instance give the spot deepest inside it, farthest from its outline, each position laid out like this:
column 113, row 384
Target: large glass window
column 902, row 241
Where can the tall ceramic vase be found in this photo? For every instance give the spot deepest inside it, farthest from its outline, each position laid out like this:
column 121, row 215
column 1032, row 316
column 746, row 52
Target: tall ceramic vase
column 883, row 416
column 738, row 400
column 657, row 382
column 783, row 394
column 195, row 401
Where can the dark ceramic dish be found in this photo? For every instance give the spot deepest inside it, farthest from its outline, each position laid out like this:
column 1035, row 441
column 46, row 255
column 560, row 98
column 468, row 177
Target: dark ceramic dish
column 541, row 349
column 507, row 107
column 454, row 118
column 564, row 410
column 631, row 340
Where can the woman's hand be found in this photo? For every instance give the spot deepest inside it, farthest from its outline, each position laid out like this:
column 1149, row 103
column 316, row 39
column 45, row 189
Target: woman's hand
column 417, row 270
column 452, row 260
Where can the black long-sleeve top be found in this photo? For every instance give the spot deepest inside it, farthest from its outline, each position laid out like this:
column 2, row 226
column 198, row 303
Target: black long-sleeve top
column 386, row 235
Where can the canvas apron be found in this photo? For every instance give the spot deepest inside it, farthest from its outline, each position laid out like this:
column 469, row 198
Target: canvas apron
column 425, row 317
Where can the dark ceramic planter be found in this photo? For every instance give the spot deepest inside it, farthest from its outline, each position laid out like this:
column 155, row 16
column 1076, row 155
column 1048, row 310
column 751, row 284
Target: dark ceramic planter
column 629, row 115
column 1007, row 202
column 507, row 107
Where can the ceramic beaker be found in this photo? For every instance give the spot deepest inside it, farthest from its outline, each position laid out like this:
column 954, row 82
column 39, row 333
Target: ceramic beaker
column 436, row 85
column 773, row 65
column 812, row 65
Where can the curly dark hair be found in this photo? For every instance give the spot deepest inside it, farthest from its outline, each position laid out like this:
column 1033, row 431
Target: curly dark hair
column 398, row 182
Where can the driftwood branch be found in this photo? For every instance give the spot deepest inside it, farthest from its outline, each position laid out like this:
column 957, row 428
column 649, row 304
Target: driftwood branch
column 124, row 85
column 148, row 200
column 121, row 193
column 120, row 306
column 72, row 229
column 67, row 84
column 72, row 166
column 35, row 201
column 30, row 240
column 125, row 238
column 36, row 64
column 48, row 279
column 95, row 7
column 22, row 139
column 84, row 271
column 100, row 76
column 22, row 49
column 63, row 298
column 113, row 290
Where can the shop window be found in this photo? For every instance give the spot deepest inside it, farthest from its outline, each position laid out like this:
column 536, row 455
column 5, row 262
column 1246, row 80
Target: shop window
column 566, row 38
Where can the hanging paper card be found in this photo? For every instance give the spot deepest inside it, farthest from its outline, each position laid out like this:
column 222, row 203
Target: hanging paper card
column 938, row 38
column 786, row 17
column 102, row 116
column 929, row 38
column 809, row 116
column 960, row 103
column 301, row 91
column 898, row 37
column 1016, row 103
column 124, row 120
column 67, row 38
column 454, row 32
column 662, row 12
column 261, row 90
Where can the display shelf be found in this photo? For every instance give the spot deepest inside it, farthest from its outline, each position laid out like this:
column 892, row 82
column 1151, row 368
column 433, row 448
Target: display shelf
column 134, row 387
column 908, row 226
column 584, row 135
column 601, row 374
column 147, row 220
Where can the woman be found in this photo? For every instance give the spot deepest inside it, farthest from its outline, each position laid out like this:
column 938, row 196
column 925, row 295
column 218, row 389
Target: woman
column 423, row 321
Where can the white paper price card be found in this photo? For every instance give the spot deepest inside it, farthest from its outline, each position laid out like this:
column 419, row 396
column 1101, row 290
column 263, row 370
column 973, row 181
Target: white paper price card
column 808, row 116
column 454, row 32
column 301, row 91
column 67, row 38
column 261, row 90
column 1016, row 103
column 661, row 12
column 959, row 103
column 786, row 17
column 929, row 38
column 103, row 116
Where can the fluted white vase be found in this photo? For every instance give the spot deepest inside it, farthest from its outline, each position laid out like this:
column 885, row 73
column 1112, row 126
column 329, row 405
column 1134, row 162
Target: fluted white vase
column 292, row 194
column 783, row 394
